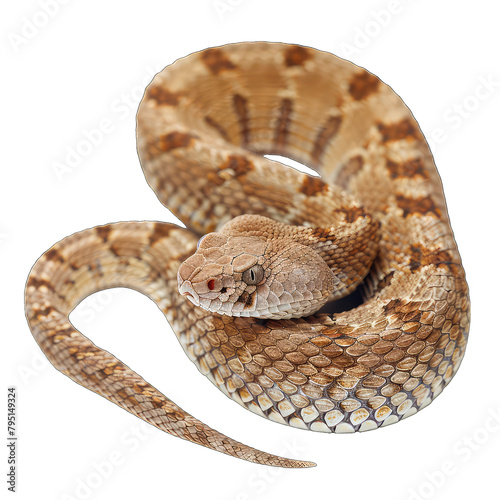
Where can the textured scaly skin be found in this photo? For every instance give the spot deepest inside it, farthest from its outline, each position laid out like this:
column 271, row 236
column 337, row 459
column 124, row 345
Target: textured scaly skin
column 202, row 127
column 296, row 269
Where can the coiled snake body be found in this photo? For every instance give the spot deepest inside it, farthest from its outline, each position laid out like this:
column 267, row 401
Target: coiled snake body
column 202, row 128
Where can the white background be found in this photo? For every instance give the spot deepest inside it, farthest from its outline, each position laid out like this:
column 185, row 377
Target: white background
column 90, row 61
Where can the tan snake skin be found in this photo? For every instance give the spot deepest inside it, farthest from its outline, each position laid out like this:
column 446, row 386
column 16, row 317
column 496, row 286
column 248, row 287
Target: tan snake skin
column 202, row 128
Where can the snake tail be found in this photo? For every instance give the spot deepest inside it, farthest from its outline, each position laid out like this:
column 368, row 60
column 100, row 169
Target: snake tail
column 104, row 257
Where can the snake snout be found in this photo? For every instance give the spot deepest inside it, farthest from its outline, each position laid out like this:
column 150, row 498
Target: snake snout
column 188, row 291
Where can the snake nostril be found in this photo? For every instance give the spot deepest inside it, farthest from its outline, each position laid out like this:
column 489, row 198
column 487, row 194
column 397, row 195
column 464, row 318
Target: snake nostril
column 211, row 284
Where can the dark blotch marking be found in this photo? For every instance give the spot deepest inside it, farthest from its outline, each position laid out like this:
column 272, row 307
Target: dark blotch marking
column 103, row 232
column 348, row 170
column 216, row 61
column 351, row 213
column 247, row 299
column 397, row 131
column 239, row 164
column 283, row 125
column 162, row 96
column 217, row 126
column 362, row 85
column 297, row 55
column 312, row 186
column 38, row 283
column 322, row 234
column 53, row 254
column 240, row 105
column 410, row 169
column 421, row 257
column 325, row 134
column 161, row 230
column 417, row 206
column 175, row 140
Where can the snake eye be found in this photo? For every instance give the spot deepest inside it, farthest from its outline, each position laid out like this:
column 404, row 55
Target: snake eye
column 254, row 275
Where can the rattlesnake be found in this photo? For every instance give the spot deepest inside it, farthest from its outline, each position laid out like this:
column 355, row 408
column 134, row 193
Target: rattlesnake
column 203, row 126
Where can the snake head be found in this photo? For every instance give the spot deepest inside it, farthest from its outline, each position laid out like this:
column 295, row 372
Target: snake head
column 240, row 275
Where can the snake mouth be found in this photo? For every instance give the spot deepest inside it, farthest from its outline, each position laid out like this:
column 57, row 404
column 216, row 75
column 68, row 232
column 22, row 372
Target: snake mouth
column 187, row 290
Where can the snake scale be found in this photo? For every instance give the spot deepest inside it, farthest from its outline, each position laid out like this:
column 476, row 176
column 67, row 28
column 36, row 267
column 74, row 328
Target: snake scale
column 375, row 218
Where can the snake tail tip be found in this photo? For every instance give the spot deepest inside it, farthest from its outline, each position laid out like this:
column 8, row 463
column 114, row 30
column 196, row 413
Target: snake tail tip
column 308, row 465
column 300, row 464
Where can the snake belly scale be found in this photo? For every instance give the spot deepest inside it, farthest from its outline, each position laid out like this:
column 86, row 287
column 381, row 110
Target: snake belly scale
column 203, row 126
